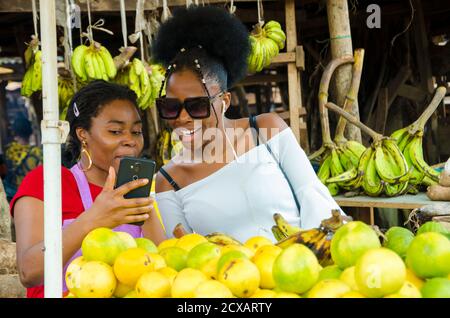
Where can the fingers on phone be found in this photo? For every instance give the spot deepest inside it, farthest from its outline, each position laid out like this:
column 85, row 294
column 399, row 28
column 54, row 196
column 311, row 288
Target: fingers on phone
column 137, row 218
column 134, row 203
column 127, row 187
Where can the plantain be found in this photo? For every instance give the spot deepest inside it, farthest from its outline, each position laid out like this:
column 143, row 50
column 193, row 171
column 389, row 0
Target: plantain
column 222, row 239
column 286, row 228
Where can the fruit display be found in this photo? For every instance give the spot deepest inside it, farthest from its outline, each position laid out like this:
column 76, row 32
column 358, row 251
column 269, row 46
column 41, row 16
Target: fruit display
column 266, row 42
column 167, row 147
column 32, row 80
column 384, row 168
column 93, row 62
column 145, row 80
column 65, row 92
column 402, row 265
column 339, row 157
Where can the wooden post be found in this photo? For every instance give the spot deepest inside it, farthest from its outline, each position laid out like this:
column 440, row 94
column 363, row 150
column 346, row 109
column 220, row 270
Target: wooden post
column 294, row 82
column 341, row 44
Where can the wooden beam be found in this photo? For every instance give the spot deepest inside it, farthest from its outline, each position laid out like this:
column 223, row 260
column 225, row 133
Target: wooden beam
column 283, row 58
column 412, row 92
column 104, row 5
column 262, row 79
column 394, row 84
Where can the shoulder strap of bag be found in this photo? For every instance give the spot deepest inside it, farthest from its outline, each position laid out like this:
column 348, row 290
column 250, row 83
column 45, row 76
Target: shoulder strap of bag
column 255, row 131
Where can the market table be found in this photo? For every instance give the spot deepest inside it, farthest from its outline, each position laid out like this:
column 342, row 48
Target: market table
column 407, row 201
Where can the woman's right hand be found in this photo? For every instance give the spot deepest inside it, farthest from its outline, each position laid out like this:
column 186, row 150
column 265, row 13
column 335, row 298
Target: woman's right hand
column 110, row 208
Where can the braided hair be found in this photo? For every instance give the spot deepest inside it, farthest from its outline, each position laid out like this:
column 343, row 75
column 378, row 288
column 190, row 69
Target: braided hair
column 85, row 105
column 207, row 36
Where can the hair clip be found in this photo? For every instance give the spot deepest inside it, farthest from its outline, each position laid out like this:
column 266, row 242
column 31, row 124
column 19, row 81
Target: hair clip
column 182, row 49
column 75, row 110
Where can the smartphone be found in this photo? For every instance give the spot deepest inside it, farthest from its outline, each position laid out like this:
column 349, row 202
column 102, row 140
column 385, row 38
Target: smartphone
column 131, row 169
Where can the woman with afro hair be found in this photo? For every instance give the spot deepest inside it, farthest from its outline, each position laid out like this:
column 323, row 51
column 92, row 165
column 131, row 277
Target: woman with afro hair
column 231, row 175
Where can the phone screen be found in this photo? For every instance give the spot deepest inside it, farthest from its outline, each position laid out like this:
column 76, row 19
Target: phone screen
column 131, row 169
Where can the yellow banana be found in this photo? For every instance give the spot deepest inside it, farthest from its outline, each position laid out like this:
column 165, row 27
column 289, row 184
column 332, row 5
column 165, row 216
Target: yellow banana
column 286, row 228
column 222, row 239
column 89, row 65
column 101, row 66
column 277, row 233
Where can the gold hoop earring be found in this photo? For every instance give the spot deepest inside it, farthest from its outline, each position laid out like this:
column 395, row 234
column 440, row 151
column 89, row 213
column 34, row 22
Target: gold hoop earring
column 86, row 152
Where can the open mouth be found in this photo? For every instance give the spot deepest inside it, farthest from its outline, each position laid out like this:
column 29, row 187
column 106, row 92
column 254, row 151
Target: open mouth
column 188, row 134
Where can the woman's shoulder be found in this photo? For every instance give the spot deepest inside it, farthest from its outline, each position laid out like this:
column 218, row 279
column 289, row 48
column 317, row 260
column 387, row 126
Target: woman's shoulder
column 161, row 183
column 270, row 125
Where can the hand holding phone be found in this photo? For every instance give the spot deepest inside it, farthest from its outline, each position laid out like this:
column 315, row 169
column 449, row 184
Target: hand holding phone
column 131, row 169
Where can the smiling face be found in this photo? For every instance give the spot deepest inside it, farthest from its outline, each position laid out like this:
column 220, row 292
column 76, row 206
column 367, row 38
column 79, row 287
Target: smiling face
column 183, row 84
column 115, row 132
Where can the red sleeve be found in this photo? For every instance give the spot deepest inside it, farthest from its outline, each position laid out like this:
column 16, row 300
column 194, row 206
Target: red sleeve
column 32, row 186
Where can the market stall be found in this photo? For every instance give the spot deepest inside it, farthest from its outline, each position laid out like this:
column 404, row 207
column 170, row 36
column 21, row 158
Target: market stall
column 334, row 257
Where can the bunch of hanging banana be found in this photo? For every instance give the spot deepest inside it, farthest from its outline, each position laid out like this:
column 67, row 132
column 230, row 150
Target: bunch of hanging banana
column 339, row 157
column 93, row 62
column 157, row 75
column 32, row 80
column 65, row 94
column 265, row 42
column 382, row 167
column 317, row 239
column 409, row 140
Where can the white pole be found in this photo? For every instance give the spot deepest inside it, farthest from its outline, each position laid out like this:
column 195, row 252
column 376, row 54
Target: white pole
column 51, row 140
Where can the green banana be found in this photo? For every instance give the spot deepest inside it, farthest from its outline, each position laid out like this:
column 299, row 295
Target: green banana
column 324, row 171
column 416, row 156
column 108, row 61
column 344, row 177
column 371, row 183
column 277, row 233
column 89, row 65
column 78, row 57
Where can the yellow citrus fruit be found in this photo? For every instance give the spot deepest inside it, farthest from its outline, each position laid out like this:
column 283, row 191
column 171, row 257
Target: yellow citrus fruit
column 352, row 294
column 264, row 248
column 241, row 248
column 153, row 285
column 408, row 290
column 167, row 243
column 348, row 277
column 71, row 271
column 379, row 272
column 202, row 253
column 131, row 294
column 210, row 268
column 127, row 239
column 186, row 282
column 429, row 255
column 351, row 241
column 134, row 262
column 438, row 287
column 241, row 276
column 328, row 288
column 212, row 289
column 256, row 242
column 94, row 280
column 229, row 255
column 296, row 269
column 102, row 244
column 283, row 294
column 146, row 244
column 175, row 257
column 189, row 241
column 330, row 272
column 413, row 279
column 122, row 290
column 264, row 260
column 169, row 272
column 264, row 293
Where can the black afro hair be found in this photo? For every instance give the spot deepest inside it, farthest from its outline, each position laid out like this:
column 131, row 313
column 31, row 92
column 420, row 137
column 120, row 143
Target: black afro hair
column 221, row 35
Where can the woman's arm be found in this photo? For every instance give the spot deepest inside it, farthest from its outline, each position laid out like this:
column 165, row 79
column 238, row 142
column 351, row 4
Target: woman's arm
column 29, row 224
column 169, row 205
column 315, row 200
column 153, row 230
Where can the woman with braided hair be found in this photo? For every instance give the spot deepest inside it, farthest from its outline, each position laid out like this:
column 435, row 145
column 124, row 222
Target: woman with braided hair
column 105, row 125
column 232, row 175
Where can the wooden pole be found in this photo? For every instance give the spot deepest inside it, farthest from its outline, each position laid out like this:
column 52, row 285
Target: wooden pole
column 341, row 44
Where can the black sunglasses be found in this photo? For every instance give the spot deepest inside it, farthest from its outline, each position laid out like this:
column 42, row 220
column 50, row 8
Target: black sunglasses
column 196, row 107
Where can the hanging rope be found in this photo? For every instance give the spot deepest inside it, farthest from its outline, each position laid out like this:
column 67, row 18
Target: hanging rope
column 260, row 13
column 166, row 12
column 188, row 3
column 407, row 27
column 35, row 18
column 232, row 9
column 89, row 28
column 123, row 19
column 140, row 24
